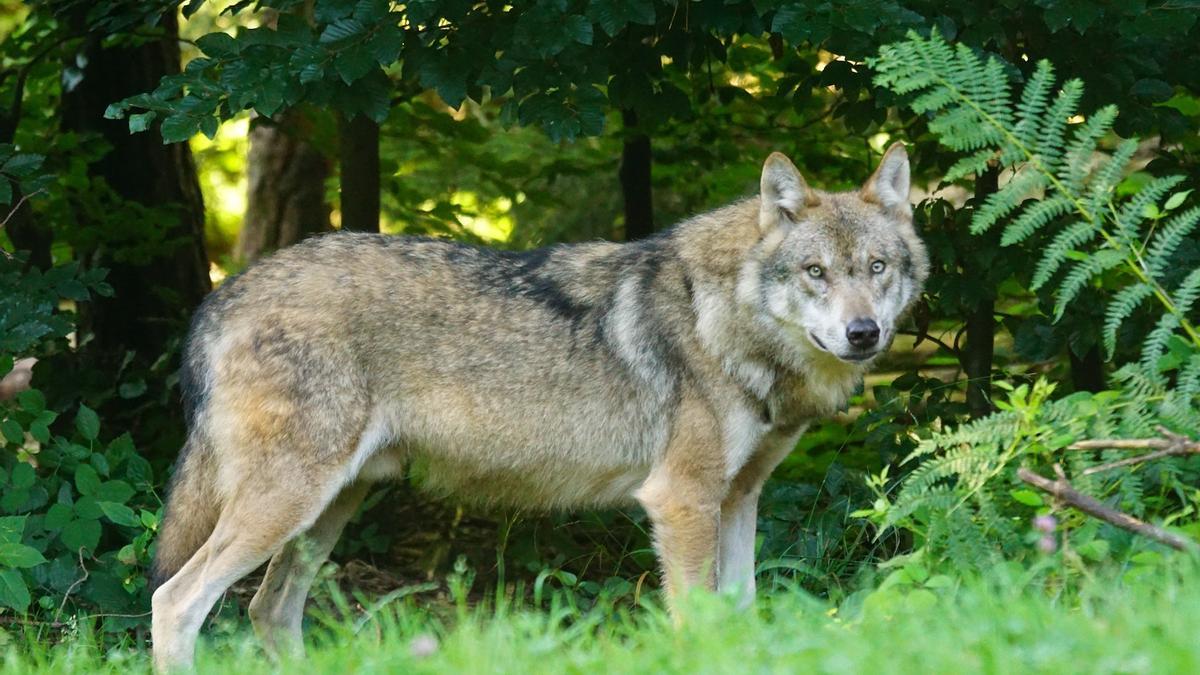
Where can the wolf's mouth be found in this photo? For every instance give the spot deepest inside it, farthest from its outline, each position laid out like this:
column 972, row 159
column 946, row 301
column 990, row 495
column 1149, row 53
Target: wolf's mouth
column 817, row 341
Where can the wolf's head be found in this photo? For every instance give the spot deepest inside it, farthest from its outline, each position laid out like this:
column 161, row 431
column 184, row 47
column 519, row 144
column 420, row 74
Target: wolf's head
column 837, row 271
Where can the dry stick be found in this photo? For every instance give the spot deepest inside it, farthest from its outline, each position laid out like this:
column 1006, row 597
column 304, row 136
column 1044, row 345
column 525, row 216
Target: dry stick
column 1172, row 444
column 1062, row 490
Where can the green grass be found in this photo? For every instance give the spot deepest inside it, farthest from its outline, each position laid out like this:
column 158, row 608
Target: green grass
column 1135, row 627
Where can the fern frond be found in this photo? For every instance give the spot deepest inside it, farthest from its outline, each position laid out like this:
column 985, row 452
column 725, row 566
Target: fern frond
column 1034, row 217
column 1119, row 309
column 1052, row 140
column 1156, row 343
column 1083, row 272
column 1084, row 146
column 1169, row 237
column 1133, row 212
column 1108, row 175
column 974, row 163
column 1006, row 200
column 1072, row 237
column 1035, row 97
column 1187, row 292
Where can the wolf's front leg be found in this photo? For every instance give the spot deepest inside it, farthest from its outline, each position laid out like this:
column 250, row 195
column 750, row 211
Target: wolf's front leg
column 683, row 498
column 739, row 521
column 739, row 515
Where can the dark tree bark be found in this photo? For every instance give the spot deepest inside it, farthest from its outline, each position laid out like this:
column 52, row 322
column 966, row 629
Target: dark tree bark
column 635, row 176
column 979, row 350
column 358, row 166
column 285, row 198
column 152, row 296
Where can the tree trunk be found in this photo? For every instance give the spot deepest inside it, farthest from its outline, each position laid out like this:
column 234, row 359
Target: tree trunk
column 285, row 200
column 635, row 179
column 358, row 165
column 981, row 325
column 156, row 287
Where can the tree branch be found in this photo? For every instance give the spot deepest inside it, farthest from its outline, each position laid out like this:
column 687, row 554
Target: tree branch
column 1061, row 489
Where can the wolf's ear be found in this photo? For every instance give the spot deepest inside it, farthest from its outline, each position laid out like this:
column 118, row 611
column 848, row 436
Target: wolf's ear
column 782, row 190
column 889, row 185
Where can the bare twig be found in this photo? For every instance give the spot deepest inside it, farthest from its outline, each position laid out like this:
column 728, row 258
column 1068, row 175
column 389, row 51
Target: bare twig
column 20, row 203
column 1169, row 445
column 1061, row 489
column 80, row 580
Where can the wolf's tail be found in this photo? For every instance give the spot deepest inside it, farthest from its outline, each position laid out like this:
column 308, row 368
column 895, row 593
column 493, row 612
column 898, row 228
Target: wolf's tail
column 191, row 512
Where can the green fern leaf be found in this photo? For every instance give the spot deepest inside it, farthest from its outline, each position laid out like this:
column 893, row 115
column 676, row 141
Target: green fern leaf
column 1133, row 212
column 1083, row 146
column 1005, row 200
column 1169, row 237
column 1081, row 274
column 1034, row 218
column 1156, row 344
column 1187, row 292
column 1108, row 175
column 1119, row 309
column 1069, row 239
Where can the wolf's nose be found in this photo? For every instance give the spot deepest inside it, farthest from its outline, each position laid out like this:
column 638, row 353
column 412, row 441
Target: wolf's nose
column 862, row 333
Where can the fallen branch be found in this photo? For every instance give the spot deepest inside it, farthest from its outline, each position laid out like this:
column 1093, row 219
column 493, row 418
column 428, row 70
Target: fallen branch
column 1061, row 489
column 1169, row 445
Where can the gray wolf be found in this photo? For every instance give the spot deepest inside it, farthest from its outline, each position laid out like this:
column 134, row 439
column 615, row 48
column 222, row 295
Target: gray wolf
column 677, row 371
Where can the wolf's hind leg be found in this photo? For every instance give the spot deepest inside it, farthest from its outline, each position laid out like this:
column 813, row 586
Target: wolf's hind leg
column 277, row 609
column 253, row 525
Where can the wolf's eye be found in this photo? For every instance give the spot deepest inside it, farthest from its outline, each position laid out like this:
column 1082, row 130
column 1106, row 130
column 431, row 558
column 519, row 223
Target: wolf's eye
column 815, row 271
column 877, row 267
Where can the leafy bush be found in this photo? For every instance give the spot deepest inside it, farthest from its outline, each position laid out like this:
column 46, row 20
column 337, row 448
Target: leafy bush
column 78, row 513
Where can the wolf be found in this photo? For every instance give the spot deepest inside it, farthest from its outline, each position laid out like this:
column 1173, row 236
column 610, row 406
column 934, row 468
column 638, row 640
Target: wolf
column 675, row 372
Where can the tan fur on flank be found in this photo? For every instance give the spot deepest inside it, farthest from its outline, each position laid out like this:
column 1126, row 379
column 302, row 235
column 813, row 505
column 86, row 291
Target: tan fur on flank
column 677, row 371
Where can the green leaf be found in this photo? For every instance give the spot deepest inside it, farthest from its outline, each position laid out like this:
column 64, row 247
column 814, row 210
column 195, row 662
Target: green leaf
column 1176, row 200
column 218, row 45
column 88, row 508
column 179, row 127
column 32, row 400
column 86, row 480
column 81, row 534
column 87, row 422
column 23, row 475
column 149, row 519
column 385, row 45
column 115, row 491
column 119, row 513
column 5, row 191
column 13, row 591
column 141, row 121
column 19, row 555
column 12, row 431
column 342, row 29
column 353, row 63
column 1027, row 497
column 12, row 529
column 58, row 516
column 22, row 165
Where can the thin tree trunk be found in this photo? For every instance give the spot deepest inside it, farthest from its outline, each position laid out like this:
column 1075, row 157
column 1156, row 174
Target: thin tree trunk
column 358, row 164
column 635, row 176
column 285, row 199
column 156, row 288
column 981, row 325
